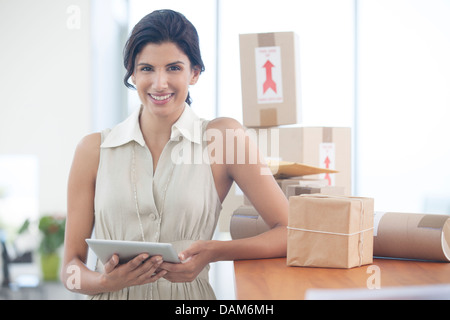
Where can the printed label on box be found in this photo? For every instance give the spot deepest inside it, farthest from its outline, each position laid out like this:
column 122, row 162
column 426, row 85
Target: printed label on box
column 327, row 157
column 268, row 75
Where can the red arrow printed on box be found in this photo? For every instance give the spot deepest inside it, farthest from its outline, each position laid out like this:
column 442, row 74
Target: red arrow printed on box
column 269, row 83
column 327, row 165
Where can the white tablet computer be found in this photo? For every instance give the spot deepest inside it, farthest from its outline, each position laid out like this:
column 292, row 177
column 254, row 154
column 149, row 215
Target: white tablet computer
column 127, row 250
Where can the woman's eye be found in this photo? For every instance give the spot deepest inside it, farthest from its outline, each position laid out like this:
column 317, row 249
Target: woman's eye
column 174, row 68
column 146, row 69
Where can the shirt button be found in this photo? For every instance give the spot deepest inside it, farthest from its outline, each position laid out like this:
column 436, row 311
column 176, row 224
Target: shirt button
column 153, row 216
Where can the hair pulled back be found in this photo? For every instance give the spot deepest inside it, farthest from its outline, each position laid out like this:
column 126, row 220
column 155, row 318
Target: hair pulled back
column 159, row 27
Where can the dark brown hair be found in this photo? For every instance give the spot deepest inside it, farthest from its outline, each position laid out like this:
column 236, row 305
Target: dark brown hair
column 158, row 27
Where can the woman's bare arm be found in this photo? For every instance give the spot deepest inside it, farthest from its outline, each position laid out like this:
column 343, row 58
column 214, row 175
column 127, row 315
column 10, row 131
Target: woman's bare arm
column 255, row 180
column 80, row 221
column 261, row 189
column 80, row 216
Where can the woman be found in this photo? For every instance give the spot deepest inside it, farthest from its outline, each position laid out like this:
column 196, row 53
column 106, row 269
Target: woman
column 143, row 180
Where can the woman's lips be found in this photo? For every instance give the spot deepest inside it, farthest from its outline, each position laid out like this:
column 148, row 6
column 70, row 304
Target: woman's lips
column 161, row 98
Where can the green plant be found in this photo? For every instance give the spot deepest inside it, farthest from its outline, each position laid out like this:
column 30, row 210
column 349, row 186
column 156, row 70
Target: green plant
column 52, row 228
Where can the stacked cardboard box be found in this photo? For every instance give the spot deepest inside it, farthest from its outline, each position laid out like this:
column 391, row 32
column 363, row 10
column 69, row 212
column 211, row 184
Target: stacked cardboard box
column 304, row 185
column 272, row 112
column 324, row 147
column 327, row 227
column 270, row 79
column 246, row 221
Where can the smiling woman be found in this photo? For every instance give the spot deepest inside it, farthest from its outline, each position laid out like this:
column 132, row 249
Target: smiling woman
column 162, row 77
column 181, row 33
column 127, row 181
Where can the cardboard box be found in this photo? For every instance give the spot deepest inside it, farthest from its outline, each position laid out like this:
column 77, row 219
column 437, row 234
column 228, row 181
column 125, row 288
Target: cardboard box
column 330, row 231
column 246, row 222
column 297, row 181
column 270, row 79
column 412, row 236
column 293, row 190
column 285, row 183
column 325, row 147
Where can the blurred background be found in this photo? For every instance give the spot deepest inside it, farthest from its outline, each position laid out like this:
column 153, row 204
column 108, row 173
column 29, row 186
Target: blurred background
column 381, row 67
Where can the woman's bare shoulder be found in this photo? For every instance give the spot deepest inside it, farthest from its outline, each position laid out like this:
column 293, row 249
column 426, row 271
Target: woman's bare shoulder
column 224, row 123
column 90, row 144
column 87, row 153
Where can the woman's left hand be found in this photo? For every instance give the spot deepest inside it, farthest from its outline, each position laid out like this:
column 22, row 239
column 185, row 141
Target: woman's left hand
column 193, row 259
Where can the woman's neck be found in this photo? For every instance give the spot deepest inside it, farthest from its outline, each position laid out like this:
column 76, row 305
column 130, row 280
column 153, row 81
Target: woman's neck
column 157, row 129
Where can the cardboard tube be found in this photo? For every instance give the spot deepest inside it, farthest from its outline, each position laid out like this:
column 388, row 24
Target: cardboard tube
column 412, row 236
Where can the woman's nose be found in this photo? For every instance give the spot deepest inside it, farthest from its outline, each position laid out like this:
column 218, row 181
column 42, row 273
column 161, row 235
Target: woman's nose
column 160, row 81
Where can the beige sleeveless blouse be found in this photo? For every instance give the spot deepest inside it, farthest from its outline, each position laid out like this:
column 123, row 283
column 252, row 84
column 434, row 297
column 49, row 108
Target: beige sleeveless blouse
column 178, row 203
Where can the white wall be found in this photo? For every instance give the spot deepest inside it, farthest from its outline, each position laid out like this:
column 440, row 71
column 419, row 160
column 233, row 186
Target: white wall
column 326, row 40
column 45, row 106
column 404, row 104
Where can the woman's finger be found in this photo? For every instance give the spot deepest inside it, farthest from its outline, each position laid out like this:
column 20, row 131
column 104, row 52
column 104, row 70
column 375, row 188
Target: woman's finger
column 153, row 274
column 150, row 270
column 137, row 261
column 194, row 249
column 112, row 263
column 151, row 265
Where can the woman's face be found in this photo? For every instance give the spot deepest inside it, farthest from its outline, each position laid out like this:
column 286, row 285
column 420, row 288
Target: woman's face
column 162, row 77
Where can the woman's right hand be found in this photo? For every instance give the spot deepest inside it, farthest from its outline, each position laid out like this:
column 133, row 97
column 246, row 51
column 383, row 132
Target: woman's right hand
column 138, row 271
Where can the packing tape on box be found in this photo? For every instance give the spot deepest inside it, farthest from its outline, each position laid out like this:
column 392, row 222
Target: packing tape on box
column 327, row 135
column 268, row 117
column 266, row 39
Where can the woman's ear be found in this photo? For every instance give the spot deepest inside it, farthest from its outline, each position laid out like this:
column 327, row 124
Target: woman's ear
column 195, row 75
column 133, row 79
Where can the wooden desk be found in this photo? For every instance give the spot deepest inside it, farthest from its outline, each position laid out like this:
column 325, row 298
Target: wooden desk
column 271, row 279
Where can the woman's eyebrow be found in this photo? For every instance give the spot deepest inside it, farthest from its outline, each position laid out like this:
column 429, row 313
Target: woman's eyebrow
column 174, row 63
column 167, row 65
column 144, row 64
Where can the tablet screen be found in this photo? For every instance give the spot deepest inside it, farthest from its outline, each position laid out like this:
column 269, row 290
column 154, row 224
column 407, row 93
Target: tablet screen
column 127, row 250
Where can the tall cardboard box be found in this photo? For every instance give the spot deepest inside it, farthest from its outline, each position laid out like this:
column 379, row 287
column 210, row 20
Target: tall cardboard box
column 270, row 79
column 325, row 147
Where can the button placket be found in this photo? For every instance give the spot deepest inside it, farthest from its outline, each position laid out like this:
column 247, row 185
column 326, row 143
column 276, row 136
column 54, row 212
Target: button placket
column 155, row 220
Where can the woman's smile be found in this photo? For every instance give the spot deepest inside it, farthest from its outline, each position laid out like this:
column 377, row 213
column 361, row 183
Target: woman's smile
column 161, row 98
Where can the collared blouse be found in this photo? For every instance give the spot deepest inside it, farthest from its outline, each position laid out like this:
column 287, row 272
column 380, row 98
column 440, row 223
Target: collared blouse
column 178, row 203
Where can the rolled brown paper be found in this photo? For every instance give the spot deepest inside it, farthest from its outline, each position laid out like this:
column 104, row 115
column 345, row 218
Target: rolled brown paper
column 412, row 236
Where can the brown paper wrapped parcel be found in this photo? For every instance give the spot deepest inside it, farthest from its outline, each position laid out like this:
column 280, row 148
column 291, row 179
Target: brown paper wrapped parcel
column 330, row 231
